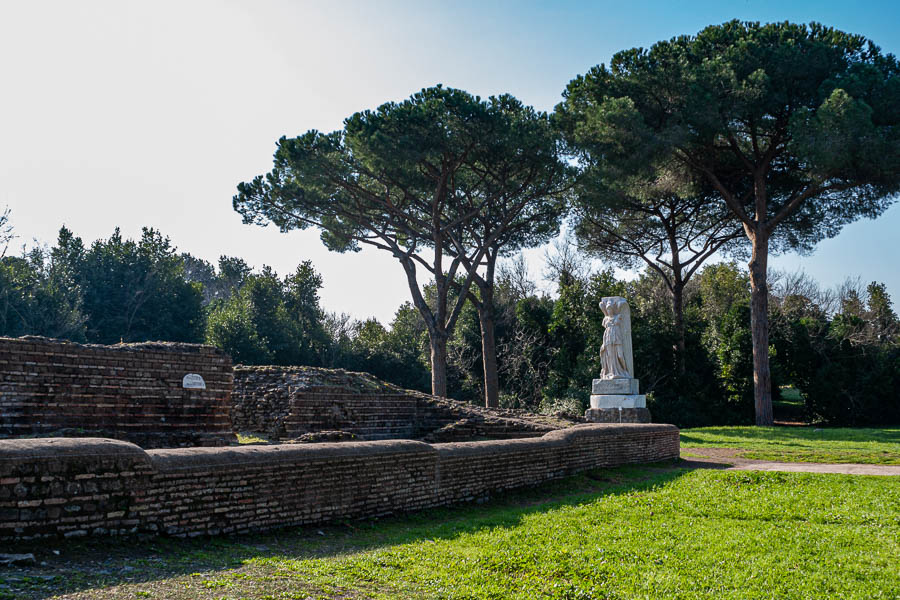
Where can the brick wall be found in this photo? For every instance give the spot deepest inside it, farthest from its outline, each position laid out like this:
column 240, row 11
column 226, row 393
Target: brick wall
column 288, row 402
column 70, row 487
column 128, row 391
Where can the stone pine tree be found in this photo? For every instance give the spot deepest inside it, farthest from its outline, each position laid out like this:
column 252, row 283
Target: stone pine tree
column 524, row 186
column 795, row 127
column 407, row 178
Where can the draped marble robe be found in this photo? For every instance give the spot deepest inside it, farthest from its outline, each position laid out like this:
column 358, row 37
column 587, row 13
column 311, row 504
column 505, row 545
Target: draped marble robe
column 616, row 354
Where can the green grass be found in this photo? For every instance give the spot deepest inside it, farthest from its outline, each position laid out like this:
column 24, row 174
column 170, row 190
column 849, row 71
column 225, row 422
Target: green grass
column 251, row 438
column 791, row 395
column 802, row 444
column 625, row 533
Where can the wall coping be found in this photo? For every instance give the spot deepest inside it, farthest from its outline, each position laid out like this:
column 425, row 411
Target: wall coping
column 182, row 459
column 86, row 453
column 557, row 437
column 608, row 429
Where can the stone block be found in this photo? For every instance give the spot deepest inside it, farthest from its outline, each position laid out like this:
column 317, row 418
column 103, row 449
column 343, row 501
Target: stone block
column 615, row 386
column 618, row 401
column 617, row 415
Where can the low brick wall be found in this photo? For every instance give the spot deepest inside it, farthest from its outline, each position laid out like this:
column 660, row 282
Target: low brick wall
column 131, row 392
column 71, row 487
column 288, row 402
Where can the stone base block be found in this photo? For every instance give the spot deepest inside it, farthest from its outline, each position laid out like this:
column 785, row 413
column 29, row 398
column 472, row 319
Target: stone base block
column 617, row 415
column 618, row 401
column 628, row 387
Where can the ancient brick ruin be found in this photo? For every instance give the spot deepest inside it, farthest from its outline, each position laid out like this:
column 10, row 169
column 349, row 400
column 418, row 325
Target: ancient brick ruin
column 287, row 403
column 56, row 485
column 132, row 392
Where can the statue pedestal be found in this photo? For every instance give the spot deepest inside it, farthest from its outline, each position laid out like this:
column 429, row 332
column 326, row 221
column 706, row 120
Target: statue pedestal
column 617, row 401
column 627, row 386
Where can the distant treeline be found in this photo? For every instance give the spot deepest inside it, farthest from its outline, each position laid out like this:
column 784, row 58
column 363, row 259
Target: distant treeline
column 840, row 349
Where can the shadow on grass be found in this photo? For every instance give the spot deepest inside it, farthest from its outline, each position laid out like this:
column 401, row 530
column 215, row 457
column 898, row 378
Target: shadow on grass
column 692, row 464
column 71, row 566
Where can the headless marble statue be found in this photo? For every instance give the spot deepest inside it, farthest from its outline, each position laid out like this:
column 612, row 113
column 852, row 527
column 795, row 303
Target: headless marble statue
column 614, row 396
column 615, row 353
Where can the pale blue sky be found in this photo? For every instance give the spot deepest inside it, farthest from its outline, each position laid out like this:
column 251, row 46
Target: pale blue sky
column 132, row 114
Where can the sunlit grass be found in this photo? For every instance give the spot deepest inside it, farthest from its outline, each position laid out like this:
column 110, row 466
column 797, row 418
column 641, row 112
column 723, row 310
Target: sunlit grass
column 250, row 438
column 802, row 444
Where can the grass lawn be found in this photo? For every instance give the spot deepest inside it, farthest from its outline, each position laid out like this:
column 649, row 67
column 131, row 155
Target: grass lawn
column 642, row 532
column 801, row 444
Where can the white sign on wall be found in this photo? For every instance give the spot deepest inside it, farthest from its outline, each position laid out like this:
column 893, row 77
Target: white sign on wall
column 193, row 381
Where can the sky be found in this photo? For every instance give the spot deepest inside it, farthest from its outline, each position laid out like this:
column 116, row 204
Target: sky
column 148, row 114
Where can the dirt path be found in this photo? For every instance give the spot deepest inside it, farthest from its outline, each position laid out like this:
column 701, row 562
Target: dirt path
column 728, row 459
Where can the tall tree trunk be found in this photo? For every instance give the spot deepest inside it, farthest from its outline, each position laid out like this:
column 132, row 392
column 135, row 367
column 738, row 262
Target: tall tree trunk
column 489, row 349
column 438, row 363
column 678, row 314
column 759, row 328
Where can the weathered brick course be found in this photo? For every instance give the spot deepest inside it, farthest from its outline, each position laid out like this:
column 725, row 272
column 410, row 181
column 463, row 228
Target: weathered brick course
column 128, row 391
column 75, row 487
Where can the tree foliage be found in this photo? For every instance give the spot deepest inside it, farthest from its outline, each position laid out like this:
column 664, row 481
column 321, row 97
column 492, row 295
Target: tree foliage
column 116, row 290
column 435, row 180
column 37, row 297
column 796, row 127
column 133, row 290
column 846, row 363
column 6, row 232
column 267, row 319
